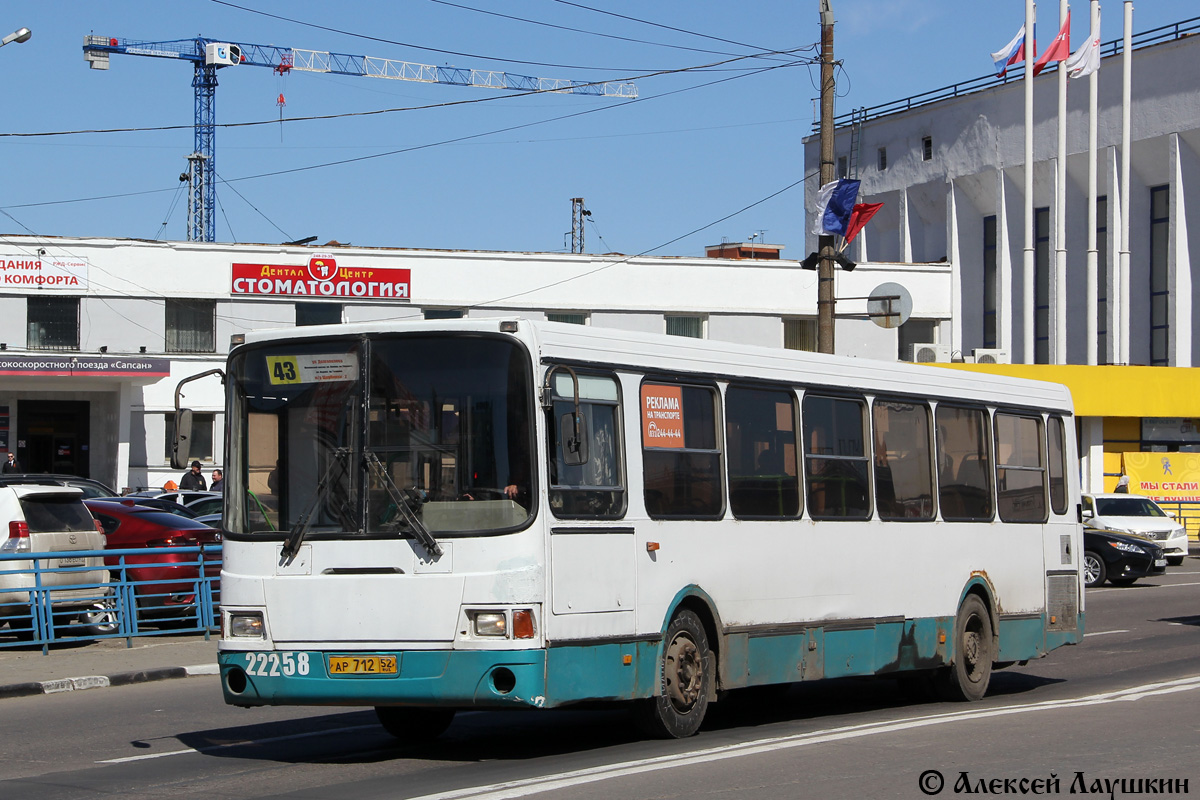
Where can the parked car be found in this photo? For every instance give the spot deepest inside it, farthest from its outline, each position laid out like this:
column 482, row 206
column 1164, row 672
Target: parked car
column 89, row 487
column 181, row 496
column 157, row 503
column 1119, row 558
column 206, row 505
column 1137, row 516
column 49, row 518
column 129, row 525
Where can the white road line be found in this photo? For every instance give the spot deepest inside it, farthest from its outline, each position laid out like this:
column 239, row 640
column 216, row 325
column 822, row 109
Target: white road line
column 1102, row 633
column 549, row 783
column 1143, row 587
column 243, row 743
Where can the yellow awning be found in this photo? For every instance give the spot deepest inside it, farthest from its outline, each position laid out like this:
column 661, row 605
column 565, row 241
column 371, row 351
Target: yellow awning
column 1112, row 391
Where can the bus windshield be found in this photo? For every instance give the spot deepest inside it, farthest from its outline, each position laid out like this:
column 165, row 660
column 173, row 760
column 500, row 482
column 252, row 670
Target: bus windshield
column 332, row 435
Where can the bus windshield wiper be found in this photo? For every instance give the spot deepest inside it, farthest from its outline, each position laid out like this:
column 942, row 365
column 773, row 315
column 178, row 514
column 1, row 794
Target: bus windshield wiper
column 296, row 535
column 406, row 503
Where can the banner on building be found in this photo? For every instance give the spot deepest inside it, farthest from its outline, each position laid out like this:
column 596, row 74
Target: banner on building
column 22, row 272
column 76, row 366
column 1164, row 476
column 321, row 277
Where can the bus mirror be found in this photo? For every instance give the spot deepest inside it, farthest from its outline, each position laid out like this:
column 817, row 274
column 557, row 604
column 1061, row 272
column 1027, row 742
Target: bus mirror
column 182, row 440
column 574, row 439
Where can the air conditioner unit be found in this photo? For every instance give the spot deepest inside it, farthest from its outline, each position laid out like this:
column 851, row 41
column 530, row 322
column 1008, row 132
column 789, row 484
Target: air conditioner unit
column 991, row 356
column 928, row 352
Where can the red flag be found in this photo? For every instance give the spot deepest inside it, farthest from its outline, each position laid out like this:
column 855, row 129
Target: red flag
column 1059, row 50
column 859, row 217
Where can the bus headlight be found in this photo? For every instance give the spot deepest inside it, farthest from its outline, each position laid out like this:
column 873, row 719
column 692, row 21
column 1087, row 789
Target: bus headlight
column 491, row 623
column 246, row 625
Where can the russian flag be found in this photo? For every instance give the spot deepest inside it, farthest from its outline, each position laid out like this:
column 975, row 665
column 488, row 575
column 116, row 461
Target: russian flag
column 835, row 203
column 1010, row 54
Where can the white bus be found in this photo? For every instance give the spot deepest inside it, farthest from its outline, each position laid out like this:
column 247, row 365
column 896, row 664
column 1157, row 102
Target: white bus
column 499, row 513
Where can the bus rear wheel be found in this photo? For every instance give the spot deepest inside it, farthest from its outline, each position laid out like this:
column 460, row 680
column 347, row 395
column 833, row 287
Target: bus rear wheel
column 974, row 651
column 685, row 678
column 414, row 725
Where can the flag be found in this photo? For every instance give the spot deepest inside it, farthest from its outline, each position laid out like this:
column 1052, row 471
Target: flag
column 859, row 217
column 1059, row 49
column 1086, row 59
column 1010, row 54
column 835, row 202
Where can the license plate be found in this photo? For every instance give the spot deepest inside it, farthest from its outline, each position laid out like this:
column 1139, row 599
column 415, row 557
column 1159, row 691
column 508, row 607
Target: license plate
column 1160, row 562
column 362, row 665
column 70, row 562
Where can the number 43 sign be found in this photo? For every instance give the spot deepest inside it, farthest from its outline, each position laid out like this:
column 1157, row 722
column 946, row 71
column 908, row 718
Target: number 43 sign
column 298, row 369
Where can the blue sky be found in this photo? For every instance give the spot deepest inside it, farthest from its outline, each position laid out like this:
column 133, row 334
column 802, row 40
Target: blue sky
column 658, row 175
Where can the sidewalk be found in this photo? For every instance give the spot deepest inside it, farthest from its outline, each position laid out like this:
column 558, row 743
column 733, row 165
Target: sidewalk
column 87, row 664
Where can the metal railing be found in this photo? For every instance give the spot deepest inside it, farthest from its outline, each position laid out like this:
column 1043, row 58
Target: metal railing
column 1187, row 512
column 1164, row 33
column 148, row 591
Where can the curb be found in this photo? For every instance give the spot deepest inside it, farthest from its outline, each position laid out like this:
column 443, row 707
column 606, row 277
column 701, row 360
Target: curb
column 104, row 681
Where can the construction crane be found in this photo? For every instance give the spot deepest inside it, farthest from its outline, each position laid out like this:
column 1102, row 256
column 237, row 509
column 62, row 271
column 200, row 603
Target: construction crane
column 209, row 55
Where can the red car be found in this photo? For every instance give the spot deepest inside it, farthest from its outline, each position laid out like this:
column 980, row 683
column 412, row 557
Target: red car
column 129, row 525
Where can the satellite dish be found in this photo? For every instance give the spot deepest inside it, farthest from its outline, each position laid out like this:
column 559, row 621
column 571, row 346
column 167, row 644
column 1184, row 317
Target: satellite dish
column 890, row 305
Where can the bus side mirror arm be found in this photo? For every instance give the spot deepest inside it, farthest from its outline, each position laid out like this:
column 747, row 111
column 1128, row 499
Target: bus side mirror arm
column 575, row 451
column 181, row 443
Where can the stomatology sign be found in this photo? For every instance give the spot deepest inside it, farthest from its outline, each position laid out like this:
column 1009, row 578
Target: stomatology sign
column 321, row 277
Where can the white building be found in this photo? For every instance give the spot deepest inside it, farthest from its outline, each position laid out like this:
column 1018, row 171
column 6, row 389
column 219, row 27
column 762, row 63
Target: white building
column 96, row 333
column 950, row 168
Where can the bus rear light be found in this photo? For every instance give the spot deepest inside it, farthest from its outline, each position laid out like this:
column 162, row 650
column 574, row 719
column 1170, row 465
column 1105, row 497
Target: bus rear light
column 522, row 626
column 491, row 623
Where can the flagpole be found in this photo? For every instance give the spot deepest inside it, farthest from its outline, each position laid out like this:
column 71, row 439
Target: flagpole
column 825, row 243
column 1093, row 254
column 1027, row 288
column 1060, row 216
column 1123, row 356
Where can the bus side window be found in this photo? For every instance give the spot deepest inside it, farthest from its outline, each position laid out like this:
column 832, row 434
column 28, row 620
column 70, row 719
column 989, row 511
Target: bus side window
column 835, row 458
column 760, row 443
column 903, row 461
column 1057, row 464
column 964, row 464
column 596, row 488
column 681, row 458
column 1020, row 469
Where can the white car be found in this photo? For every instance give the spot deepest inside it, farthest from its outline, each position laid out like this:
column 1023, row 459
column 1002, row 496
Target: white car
column 1137, row 516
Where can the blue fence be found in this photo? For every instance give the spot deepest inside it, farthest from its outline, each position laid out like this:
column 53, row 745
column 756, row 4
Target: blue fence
column 149, row 591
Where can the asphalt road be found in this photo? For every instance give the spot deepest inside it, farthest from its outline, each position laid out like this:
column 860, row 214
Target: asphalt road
column 1124, row 705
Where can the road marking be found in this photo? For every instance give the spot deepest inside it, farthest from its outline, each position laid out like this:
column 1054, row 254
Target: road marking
column 1102, row 633
column 565, row 780
column 1143, row 587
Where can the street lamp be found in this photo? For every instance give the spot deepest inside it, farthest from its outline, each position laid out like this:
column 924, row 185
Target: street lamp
column 18, row 36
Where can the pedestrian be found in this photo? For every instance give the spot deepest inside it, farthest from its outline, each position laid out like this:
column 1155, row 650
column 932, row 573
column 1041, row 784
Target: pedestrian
column 1122, row 485
column 11, row 465
column 218, row 481
column 194, row 479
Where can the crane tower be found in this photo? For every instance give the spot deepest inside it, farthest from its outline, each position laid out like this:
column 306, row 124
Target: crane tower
column 209, row 55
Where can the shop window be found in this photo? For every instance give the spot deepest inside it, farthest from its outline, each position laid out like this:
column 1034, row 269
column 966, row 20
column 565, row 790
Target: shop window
column 927, row 149
column 53, row 323
column 800, row 334
column 443, row 313
column 191, row 326
column 201, row 446
column 318, row 314
column 570, row 319
column 692, row 327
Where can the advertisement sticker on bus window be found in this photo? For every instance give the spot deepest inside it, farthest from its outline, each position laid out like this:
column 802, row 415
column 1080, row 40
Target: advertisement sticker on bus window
column 662, row 416
column 284, row 370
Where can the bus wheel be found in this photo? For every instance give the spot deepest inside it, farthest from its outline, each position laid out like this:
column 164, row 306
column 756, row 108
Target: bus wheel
column 414, row 725
column 967, row 678
column 685, row 681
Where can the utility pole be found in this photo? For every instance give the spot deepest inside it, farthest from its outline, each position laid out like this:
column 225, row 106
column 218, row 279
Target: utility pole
column 825, row 282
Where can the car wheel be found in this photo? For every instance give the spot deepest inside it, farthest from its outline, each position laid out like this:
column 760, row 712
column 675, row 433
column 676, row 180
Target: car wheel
column 414, row 725
column 685, row 681
column 100, row 618
column 1094, row 571
column 974, row 651
column 1175, row 561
